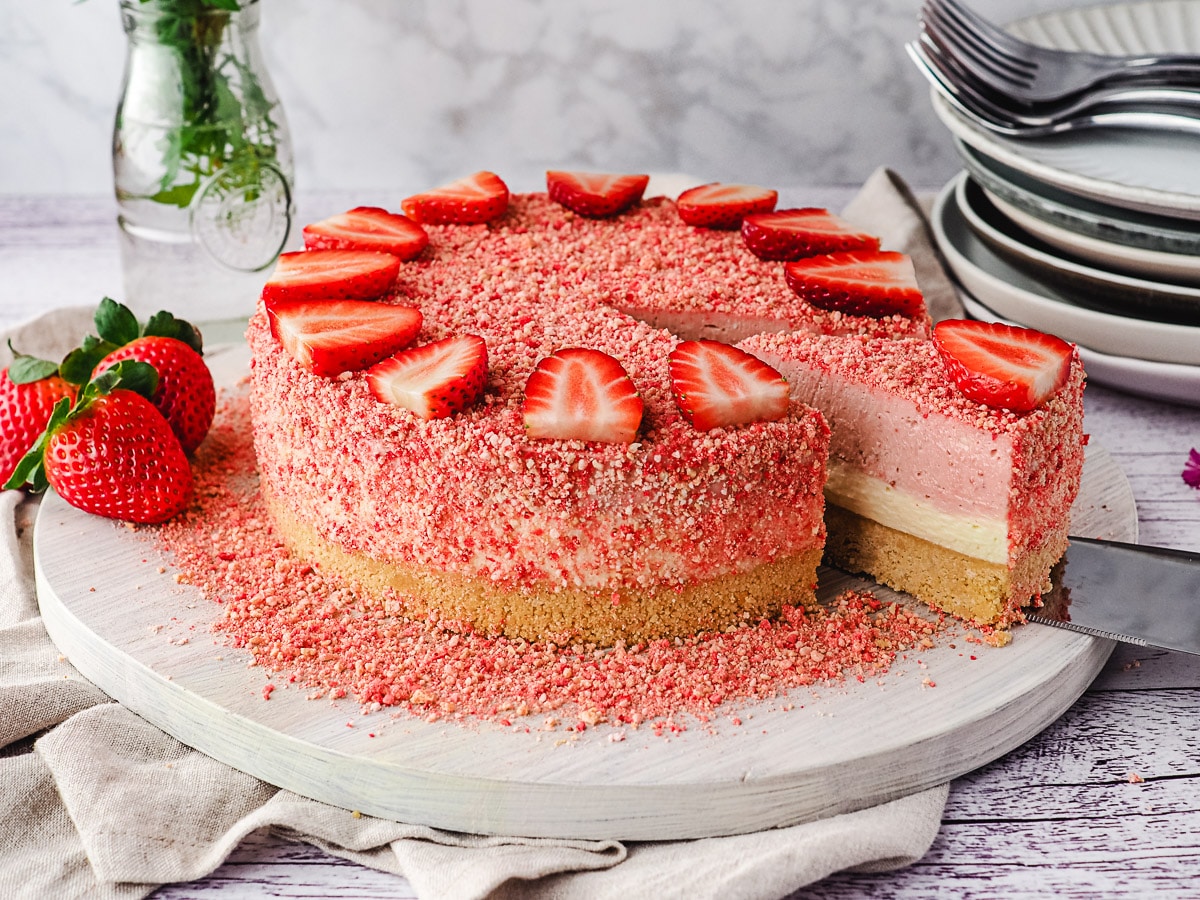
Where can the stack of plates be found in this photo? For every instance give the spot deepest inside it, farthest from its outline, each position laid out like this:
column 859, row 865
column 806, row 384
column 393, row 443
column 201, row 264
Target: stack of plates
column 1093, row 235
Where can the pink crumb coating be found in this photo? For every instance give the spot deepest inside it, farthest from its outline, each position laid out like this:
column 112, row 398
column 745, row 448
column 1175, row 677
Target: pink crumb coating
column 473, row 495
column 308, row 629
column 1025, row 466
column 646, row 262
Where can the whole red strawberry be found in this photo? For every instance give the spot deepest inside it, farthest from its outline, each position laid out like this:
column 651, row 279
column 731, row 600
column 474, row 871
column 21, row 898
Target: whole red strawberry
column 185, row 395
column 112, row 453
column 25, row 407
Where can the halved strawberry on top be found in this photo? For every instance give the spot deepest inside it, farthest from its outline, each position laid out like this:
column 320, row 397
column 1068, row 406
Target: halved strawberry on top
column 581, row 394
column 329, row 337
column 787, row 234
column 717, row 385
column 472, row 200
column 368, row 228
column 433, row 380
column 331, row 275
column 596, row 195
column 862, row 283
column 1003, row 366
column 719, row 205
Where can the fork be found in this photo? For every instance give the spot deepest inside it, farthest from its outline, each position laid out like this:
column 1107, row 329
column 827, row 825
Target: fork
column 1117, row 112
column 1029, row 74
column 948, row 75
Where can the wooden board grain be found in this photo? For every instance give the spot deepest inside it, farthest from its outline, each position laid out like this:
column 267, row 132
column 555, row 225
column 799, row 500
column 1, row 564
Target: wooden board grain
column 147, row 642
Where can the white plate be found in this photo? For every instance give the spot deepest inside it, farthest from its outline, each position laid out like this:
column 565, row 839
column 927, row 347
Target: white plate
column 146, row 640
column 1023, row 298
column 1172, row 382
column 1151, row 171
column 1177, row 267
column 1110, row 291
column 1081, row 215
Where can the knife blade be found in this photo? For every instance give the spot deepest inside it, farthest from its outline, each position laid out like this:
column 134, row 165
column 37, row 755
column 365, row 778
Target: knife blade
column 1134, row 593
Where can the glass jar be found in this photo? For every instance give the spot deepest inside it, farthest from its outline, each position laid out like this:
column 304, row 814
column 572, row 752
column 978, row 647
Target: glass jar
column 202, row 160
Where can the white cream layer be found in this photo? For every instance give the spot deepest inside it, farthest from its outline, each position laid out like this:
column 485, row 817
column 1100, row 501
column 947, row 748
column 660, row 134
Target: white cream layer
column 873, row 498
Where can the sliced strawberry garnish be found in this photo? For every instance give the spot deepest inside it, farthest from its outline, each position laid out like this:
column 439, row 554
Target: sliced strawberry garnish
column 724, row 205
column 796, row 233
column 717, row 385
column 472, row 200
column 329, row 337
column 862, row 283
column 368, row 228
column 595, row 194
column 581, row 394
column 331, row 275
column 433, row 380
column 1003, row 366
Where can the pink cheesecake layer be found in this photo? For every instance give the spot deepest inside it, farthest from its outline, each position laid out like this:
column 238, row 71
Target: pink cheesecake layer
column 896, row 416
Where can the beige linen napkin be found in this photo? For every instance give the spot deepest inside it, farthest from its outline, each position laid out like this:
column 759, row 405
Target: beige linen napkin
column 98, row 803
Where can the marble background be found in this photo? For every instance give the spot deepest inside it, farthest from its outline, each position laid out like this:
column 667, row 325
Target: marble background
column 405, row 95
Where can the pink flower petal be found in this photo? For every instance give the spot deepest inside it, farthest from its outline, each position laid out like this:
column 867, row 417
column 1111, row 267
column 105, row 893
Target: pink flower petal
column 1191, row 469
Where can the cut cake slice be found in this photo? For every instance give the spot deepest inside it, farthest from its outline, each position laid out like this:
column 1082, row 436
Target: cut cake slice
column 963, row 506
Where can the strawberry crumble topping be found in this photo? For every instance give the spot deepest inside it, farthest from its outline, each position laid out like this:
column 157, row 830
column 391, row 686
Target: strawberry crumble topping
column 319, row 631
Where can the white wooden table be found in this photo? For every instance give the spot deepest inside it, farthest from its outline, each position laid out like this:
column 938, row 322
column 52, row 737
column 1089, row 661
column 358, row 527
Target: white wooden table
column 1105, row 802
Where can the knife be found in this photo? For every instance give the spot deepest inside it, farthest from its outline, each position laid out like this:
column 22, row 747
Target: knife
column 1126, row 592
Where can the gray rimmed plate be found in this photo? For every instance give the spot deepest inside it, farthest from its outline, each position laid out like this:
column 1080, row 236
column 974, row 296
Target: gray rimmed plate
column 1031, row 301
column 1116, row 228
column 1096, row 288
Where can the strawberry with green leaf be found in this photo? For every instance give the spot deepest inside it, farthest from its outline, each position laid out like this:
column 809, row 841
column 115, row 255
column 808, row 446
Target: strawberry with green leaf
column 111, row 453
column 29, row 389
column 186, row 395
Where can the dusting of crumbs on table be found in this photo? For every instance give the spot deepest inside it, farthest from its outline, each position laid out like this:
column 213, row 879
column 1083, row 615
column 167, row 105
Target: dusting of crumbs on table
column 319, row 633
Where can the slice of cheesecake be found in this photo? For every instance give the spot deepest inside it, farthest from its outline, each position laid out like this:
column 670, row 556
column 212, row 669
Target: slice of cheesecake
column 964, row 506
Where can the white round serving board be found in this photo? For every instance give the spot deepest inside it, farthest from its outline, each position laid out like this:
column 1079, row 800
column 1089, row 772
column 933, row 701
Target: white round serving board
column 147, row 642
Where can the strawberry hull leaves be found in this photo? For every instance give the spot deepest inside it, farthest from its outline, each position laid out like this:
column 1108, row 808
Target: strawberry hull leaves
column 112, row 454
column 26, row 403
column 133, row 376
column 116, row 326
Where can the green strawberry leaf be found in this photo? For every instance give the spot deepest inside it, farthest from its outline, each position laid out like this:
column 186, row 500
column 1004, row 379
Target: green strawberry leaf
column 116, row 323
column 77, row 365
column 28, row 369
column 128, row 375
column 163, row 324
column 30, row 470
